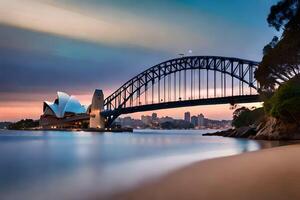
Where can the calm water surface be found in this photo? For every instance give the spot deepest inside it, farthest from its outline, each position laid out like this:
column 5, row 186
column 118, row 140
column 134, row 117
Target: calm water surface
column 74, row 165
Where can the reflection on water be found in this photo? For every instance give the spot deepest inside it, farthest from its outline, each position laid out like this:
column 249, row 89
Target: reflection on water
column 66, row 165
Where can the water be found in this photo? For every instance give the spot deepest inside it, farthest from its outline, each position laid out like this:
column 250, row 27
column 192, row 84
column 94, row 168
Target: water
column 77, row 165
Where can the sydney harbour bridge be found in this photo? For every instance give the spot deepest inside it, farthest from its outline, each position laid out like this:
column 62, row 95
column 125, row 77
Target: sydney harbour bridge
column 180, row 82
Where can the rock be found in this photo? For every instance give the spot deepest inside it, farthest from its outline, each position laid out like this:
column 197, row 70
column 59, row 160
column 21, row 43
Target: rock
column 243, row 132
column 219, row 133
column 275, row 129
column 269, row 129
column 247, row 132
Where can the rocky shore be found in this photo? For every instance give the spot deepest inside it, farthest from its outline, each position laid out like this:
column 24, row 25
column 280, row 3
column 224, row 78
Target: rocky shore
column 269, row 129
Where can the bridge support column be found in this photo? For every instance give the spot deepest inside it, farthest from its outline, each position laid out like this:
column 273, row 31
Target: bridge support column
column 96, row 120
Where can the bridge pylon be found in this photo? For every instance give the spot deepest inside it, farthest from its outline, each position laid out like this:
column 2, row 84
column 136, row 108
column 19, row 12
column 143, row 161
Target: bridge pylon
column 96, row 119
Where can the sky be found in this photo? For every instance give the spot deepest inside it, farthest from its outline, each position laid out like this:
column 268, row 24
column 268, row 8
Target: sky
column 77, row 46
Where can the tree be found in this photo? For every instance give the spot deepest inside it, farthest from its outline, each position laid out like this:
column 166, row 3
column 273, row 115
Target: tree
column 24, row 124
column 245, row 117
column 281, row 60
column 285, row 103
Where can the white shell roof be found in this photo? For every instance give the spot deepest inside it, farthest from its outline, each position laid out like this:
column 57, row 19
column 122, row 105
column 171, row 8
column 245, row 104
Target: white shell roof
column 65, row 104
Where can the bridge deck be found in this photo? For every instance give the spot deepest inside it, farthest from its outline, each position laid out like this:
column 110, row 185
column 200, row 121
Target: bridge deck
column 186, row 103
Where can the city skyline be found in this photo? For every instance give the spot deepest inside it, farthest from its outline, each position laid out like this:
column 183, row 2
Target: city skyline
column 160, row 116
column 38, row 60
column 187, row 121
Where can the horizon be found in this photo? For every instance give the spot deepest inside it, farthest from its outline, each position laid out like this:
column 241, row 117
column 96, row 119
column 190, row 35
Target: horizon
column 178, row 116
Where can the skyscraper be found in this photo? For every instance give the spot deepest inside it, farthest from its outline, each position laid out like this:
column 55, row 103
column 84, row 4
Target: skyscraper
column 187, row 116
column 201, row 121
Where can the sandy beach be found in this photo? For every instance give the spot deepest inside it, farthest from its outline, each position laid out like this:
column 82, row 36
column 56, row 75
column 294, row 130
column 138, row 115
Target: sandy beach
column 266, row 174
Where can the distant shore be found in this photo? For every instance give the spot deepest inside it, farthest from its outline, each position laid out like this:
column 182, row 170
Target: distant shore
column 266, row 174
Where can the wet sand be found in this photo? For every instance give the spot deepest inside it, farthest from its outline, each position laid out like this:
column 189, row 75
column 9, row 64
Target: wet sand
column 266, row 174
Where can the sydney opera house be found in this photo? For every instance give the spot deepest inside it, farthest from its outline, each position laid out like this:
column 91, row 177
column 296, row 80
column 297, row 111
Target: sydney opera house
column 65, row 112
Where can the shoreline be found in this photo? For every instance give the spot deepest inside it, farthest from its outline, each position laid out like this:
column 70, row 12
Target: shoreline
column 260, row 132
column 265, row 174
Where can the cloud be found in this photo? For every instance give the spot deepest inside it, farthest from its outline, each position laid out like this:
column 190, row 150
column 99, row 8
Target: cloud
column 37, row 64
column 106, row 25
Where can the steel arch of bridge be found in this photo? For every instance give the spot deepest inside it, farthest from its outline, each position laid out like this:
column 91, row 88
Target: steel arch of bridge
column 126, row 99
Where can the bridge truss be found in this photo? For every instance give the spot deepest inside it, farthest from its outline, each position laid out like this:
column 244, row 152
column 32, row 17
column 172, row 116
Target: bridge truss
column 185, row 81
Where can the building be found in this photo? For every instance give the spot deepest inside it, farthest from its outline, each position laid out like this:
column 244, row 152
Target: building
column 166, row 119
column 187, row 116
column 65, row 112
column 126, row 122
column 201, row 121
column 146, row 119
column 194, row 121
column 154, row 117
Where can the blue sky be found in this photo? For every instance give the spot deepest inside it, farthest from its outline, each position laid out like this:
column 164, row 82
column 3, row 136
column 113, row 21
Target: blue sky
column 77, row 46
